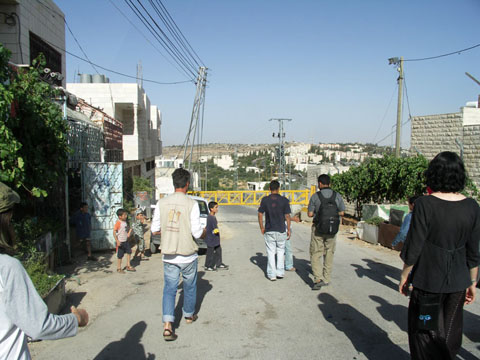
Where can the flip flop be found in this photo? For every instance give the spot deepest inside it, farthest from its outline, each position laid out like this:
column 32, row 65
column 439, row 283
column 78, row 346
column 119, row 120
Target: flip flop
column 120, row 271
column 191, row 319
column 169, row 335
column 129, row 268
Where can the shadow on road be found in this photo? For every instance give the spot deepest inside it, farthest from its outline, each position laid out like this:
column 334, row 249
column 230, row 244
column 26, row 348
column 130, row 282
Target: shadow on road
column 203, row 287
column 379, row 272
column 73, row 298
column 471, row 325
column 128, row 347
column 304, row 270
column 261, row 261
column 367, row 338
column 396, row 313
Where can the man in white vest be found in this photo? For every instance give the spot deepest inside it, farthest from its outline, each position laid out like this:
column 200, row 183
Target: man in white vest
column 177, row 219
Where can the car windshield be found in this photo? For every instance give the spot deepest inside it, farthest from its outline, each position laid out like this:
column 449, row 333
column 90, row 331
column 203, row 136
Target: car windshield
column 203, row 207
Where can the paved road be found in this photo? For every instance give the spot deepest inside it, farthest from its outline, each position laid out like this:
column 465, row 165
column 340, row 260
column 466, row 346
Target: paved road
column 242, row 315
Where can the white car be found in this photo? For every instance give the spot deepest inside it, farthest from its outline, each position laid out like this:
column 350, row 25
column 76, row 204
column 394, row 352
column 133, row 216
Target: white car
column 155, row 240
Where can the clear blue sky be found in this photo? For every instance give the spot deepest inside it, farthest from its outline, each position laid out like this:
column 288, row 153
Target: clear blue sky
column 322, row 63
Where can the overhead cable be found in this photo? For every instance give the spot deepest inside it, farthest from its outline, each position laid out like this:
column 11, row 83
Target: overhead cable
column 144, row 36
column 187, row 68
column 172, row 21
column 443, row 55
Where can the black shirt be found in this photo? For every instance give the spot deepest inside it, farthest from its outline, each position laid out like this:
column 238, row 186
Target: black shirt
column 442, row 244
column 275, row 207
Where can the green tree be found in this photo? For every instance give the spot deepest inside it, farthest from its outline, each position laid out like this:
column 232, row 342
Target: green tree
column 386, row 179
column 33, row 133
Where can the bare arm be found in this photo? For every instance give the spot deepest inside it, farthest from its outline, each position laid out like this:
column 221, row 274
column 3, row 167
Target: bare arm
column 471, row 290
column 260, row 222
column 287, row 217
column 402, row 285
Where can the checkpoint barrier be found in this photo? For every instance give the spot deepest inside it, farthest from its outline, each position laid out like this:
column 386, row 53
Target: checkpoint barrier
column 250, row 197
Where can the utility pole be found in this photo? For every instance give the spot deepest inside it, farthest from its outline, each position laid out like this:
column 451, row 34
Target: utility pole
column 197, row 114
column 235, row 165
column 281, row 150
column 399, row 63
column 206, row 176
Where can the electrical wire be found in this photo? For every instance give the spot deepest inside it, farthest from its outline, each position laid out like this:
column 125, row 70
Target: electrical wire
column 175, row 31
column 117, row 72
column 158, row 37
column 443, row 55
column 177, row 51
column 385, row 114
column 144, row 36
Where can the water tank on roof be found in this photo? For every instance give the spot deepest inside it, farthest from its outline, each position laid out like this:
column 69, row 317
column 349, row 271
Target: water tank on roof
column 85, row 78
column 98, row 78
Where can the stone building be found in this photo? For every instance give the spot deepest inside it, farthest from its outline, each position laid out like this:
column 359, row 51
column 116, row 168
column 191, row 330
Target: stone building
column 129, row 104
column 458, row 132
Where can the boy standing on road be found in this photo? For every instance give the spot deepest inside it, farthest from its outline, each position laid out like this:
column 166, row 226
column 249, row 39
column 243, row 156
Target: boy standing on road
column 139, row 234
column 121, row 233
column 323, row 245
column 213, row 260
column 276, row 230
column 83, row 225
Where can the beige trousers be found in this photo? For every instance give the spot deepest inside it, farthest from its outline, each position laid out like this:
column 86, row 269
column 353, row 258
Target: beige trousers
column 322, row 249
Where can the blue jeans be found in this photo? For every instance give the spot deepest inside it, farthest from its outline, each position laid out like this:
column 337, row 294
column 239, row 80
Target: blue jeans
column 171, row 275
column 288, row 255
column 275, row 243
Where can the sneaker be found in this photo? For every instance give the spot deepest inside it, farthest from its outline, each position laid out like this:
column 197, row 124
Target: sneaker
column 291, row 269
column 92, row 258
column 273, row 279
column 317, row 285
column 222, row 267
column 279, row 277
column 210, row 269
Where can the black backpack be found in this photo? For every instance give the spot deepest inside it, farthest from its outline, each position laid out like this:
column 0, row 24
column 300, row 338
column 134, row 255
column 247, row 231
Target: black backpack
column 327, row 220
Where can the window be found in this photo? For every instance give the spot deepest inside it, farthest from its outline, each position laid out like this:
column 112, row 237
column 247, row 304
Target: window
column 52, row 57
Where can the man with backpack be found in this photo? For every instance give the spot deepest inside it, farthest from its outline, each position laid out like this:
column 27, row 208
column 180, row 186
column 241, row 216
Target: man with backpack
column 326, row 207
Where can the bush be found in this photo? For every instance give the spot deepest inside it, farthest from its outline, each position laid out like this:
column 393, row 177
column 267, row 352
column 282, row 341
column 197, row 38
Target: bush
column 37, row 270
column 376, row 220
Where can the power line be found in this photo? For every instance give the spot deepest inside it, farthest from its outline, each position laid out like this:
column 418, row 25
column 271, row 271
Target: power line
column 385, row 114
column 172, row 46
column 179, row 31
column 117, row 72
column 439, row 56
column 144, row 36
column 186, row 67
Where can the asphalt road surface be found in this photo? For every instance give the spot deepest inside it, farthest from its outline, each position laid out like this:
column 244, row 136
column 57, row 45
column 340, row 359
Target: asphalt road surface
column 243, row 315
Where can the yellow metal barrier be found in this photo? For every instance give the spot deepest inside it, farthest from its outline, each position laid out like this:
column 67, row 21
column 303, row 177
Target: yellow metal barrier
column 250, row 197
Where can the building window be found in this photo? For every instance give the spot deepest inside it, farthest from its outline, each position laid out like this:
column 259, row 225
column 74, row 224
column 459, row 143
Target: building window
column 52, row 57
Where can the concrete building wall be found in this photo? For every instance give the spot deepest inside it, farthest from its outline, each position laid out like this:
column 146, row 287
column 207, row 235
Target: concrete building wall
column 43, row 18
column 129, row 104
column 432, row 134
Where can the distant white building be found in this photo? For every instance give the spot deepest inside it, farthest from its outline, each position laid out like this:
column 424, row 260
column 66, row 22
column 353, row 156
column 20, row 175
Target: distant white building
column 254, row 169
column 129, row 104
column 224, row 161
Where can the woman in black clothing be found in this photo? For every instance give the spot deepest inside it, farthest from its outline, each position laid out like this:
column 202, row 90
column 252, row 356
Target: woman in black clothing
column 441, row 256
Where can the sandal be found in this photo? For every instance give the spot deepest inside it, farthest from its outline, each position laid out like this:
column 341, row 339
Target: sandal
column 191, row 319
column 169, row 335
column 120, row 271
column 129, row 268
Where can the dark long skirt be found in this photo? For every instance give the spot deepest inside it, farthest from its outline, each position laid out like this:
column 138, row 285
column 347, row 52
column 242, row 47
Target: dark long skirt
column 443, row 343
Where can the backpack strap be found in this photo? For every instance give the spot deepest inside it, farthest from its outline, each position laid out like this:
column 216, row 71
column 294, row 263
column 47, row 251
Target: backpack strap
column 324, row 199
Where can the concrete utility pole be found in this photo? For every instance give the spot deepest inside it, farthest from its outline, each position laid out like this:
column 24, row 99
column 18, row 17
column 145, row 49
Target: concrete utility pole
column 399, row 63
column 281, row 150
column 235, row 165
column 197, row 114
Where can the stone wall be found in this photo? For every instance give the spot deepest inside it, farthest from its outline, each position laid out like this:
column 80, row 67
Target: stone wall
column 432, row 134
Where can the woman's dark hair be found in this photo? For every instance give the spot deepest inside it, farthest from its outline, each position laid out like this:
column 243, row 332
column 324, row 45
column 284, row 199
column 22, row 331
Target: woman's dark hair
column 7, row 235
column 180, row 178
column 446, row 173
